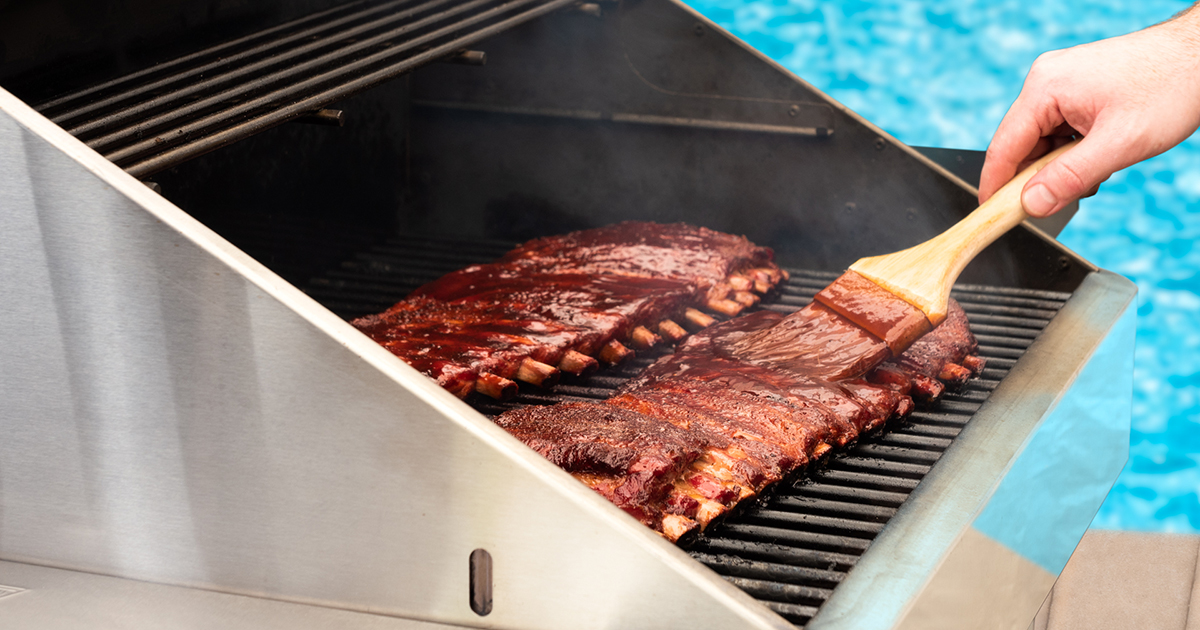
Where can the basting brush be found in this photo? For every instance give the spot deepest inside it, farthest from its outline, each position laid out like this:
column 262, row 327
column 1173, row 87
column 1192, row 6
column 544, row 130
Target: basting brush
column 889, row 301
column 900, row 296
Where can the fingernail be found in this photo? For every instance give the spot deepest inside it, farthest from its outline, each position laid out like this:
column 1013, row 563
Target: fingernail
column 1038, row 200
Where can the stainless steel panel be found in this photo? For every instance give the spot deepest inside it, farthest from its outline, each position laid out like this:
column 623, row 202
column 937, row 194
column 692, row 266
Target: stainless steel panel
column 174, row 412
column 55, row 599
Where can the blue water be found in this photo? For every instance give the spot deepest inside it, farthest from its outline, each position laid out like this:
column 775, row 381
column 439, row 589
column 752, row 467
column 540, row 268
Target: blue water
column 942, row 73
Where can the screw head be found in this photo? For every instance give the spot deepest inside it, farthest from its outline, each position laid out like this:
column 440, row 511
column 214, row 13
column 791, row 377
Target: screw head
column 880, row 143
column 794, row 111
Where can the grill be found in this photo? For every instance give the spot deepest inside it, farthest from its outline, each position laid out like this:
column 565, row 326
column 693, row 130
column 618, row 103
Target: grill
column 195, row 415
column 794, row 545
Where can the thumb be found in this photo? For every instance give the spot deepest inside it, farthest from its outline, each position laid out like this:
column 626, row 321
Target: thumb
column 1072, row 174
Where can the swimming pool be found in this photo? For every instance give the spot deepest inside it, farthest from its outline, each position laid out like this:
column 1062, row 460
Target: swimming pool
column 942, row 73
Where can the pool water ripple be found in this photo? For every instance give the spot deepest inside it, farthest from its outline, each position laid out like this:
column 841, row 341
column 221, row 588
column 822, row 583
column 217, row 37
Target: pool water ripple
column 942, row 73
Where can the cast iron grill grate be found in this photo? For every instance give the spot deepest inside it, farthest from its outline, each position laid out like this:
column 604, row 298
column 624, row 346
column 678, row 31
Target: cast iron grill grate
column 790, row 548
column 178, row 109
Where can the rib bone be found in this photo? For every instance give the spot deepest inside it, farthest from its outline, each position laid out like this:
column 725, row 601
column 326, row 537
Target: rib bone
column 578, row 363
column 745, row 298
column 674, row 526
column 537, row 373
column 740, row 283
column 462, row 389
column 671, row 331
column 495, row 386
column 614, row 352
column 725, row 307
column 698, row 319
column 643, row 339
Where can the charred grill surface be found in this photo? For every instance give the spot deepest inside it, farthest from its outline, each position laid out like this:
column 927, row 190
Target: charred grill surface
column 793, row 545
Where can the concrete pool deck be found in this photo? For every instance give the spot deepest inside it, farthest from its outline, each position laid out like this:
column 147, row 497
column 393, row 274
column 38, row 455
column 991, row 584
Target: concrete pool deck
column 1124, row 580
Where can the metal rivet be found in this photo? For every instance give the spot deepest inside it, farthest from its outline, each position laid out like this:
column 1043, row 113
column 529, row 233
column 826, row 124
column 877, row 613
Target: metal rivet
column 324, row 117
column 1064, row 263
column 481, row 582
column 880, row 143
column 466, row 58
column 794, row 111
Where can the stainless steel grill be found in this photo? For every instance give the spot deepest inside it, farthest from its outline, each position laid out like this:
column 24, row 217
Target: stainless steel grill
column 791, row 547
column 186, row 417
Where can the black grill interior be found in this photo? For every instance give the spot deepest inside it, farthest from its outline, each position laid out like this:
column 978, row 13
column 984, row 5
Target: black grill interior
column 791, row 547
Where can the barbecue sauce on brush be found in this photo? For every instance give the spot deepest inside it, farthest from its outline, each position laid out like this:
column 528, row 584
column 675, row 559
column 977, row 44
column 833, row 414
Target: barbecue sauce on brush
column 851, row 326
column 876, row 310
column 814, row 341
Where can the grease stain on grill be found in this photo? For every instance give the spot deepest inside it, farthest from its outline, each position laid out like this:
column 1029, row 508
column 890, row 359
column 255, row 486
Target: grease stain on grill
column 790, row 547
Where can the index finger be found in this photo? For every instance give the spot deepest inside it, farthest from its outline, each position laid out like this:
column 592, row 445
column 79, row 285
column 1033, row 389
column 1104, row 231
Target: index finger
column 1015, row 140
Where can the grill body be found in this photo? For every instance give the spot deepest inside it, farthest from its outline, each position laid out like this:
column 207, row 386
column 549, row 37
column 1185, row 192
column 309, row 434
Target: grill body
column 186, row 415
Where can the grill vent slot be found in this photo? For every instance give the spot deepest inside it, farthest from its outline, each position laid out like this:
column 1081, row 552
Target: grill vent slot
column 792, row 547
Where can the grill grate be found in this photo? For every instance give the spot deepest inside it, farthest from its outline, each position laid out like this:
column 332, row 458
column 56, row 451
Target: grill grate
column 176, row 110
column 790, row 548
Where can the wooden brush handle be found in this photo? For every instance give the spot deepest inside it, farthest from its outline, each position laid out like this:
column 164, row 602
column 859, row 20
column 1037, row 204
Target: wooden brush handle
column 923, row 275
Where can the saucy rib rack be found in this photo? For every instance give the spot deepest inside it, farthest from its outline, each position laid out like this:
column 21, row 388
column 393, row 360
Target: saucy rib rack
column 739, row 405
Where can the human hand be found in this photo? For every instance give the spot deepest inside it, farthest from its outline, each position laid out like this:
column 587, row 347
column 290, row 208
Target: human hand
column 1130, row 97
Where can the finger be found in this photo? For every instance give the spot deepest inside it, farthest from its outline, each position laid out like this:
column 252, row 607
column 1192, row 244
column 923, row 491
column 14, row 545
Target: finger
column 1018, row 137
column 1074, row 173
column 1043, row 146
column 1093, row 190
column 1063, row 135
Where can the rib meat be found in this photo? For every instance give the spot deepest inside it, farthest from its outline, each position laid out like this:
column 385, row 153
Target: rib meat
column 554, row 299
column 737, row 407
column 627, row 457
column 752, row 414
column 705, row 259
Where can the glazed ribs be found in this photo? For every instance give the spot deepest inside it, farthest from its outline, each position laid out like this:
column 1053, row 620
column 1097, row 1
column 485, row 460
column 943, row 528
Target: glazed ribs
column 737, row 407
column 725, row 416
column 570, row 302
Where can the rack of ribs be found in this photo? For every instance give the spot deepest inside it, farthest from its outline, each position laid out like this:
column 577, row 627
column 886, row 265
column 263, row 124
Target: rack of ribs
column 568, row 303
column 731, row 411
